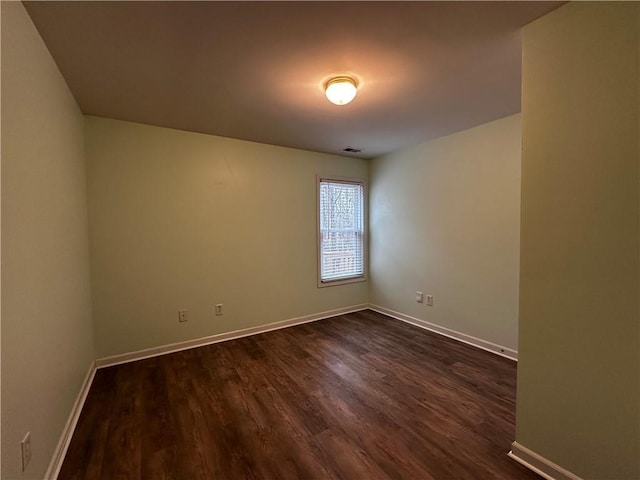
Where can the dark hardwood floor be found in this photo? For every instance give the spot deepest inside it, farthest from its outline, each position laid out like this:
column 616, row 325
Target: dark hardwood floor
column 360, row 396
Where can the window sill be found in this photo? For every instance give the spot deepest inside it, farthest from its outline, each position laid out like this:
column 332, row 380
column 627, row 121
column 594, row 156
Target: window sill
column 341, row 281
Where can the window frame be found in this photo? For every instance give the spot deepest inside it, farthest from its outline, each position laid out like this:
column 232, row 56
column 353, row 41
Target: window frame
column 365, row 233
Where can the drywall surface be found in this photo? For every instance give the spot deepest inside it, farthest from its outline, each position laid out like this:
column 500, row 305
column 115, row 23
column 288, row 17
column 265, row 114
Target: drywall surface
column 46, row 311
column 181, row 220
column 445, row 220
column 578, row 377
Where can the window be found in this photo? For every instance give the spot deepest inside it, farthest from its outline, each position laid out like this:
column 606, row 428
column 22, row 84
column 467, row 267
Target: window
column 341, row 231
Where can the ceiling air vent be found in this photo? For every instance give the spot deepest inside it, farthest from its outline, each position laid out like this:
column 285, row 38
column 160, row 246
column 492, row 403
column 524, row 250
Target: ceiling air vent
column 351, row 150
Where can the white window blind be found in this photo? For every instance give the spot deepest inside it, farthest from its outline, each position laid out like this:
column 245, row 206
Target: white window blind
column 341, row 230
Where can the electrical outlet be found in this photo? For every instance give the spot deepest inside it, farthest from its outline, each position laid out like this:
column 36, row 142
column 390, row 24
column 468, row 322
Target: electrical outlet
column 419, row 297
column 219, row 309
column 430, row 300
column 183, row 315
column 25, row 447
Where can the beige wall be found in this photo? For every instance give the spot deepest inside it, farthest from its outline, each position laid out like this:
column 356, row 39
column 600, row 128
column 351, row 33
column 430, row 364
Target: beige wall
column 181, row 220
column 46, row 323
column 445, row 221
column 578, row 376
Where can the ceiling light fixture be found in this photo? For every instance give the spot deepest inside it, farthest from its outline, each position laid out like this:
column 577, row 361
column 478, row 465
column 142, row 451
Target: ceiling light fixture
column 341, row 90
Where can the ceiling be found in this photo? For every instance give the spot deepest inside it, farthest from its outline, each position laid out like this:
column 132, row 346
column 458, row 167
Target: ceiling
column 255, row 70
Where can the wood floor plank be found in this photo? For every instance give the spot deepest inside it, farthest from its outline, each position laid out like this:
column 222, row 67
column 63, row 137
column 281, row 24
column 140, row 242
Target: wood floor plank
column 358, row 396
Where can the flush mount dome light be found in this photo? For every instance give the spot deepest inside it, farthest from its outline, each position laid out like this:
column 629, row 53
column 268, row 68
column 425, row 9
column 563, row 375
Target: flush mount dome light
column 341, row 90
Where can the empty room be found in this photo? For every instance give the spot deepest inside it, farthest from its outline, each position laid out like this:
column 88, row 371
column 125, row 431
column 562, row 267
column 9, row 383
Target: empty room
column 320, row 240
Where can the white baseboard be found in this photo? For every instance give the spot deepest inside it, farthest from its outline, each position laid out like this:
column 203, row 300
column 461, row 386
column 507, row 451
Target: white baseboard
column 72, row 421
column 537, row 463
column 70, row 426
column 221, row 337
column 523, row 455
column 447, row 332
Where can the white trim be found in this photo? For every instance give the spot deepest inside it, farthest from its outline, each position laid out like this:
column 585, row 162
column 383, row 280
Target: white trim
column 537, row 463
column 67, row 432
column 222, row 337
column 522, row 455
column 447, row 332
